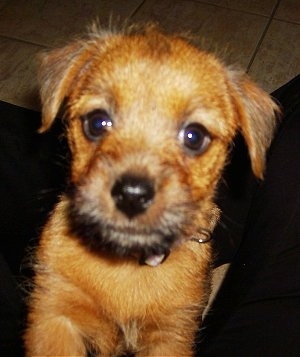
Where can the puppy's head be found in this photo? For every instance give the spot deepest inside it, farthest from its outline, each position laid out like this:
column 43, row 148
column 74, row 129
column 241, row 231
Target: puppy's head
column 149, row 120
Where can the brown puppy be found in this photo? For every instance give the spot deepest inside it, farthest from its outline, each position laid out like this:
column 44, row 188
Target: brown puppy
column 123, row 264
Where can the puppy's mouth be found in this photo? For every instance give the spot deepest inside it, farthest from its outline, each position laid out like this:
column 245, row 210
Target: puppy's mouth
column 99, row 236
column 122, row 240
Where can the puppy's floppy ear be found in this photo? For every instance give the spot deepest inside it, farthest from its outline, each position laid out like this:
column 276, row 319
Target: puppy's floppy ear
column 58, row 70
column 257, row 117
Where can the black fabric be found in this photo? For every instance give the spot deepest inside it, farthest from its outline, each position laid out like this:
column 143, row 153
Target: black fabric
column 32, row 173
column 233, row 198
column 11, row 313
column 257, row 310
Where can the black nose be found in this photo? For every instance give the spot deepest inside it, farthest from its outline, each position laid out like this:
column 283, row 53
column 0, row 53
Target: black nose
column 132, row 194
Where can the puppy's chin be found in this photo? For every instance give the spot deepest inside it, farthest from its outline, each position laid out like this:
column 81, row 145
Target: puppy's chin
column 125, row 241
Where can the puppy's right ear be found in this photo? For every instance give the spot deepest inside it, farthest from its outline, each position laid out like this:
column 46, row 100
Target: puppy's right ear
column 58, row 69
column 257, row 115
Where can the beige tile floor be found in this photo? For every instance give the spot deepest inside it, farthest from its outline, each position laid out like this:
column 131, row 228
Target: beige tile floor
column 261, row 36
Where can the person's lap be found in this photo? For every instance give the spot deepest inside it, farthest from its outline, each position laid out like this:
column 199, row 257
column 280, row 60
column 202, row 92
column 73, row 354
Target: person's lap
column 257, row 311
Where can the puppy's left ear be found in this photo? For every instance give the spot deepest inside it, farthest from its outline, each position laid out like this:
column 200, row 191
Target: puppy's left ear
column 257, row 118
column 58, row 69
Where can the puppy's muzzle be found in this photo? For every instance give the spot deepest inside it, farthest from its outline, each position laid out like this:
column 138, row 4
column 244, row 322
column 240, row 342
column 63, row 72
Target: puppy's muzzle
column 133, row 194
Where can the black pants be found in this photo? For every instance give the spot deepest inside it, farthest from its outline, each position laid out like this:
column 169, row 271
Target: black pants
column 257, row 310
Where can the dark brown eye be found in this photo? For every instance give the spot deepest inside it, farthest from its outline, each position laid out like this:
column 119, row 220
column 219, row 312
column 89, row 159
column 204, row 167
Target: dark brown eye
column 195, row 138
column 96, row 123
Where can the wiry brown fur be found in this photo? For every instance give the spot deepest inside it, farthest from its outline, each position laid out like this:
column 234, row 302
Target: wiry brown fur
column 151, row 84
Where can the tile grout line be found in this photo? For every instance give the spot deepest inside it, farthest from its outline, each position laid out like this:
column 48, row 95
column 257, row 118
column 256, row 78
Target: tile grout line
column 137, row 9
column 248, row 12
column 263, row 36
column 16, row 39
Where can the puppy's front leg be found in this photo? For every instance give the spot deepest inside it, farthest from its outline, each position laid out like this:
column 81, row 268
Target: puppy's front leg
column 171, row 337
column 168, row 347
column 53, row 336
column 63, row 321
column 167, row 350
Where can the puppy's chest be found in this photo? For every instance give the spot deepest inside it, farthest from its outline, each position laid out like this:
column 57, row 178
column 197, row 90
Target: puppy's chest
column 113, row 288
column 127, row 293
